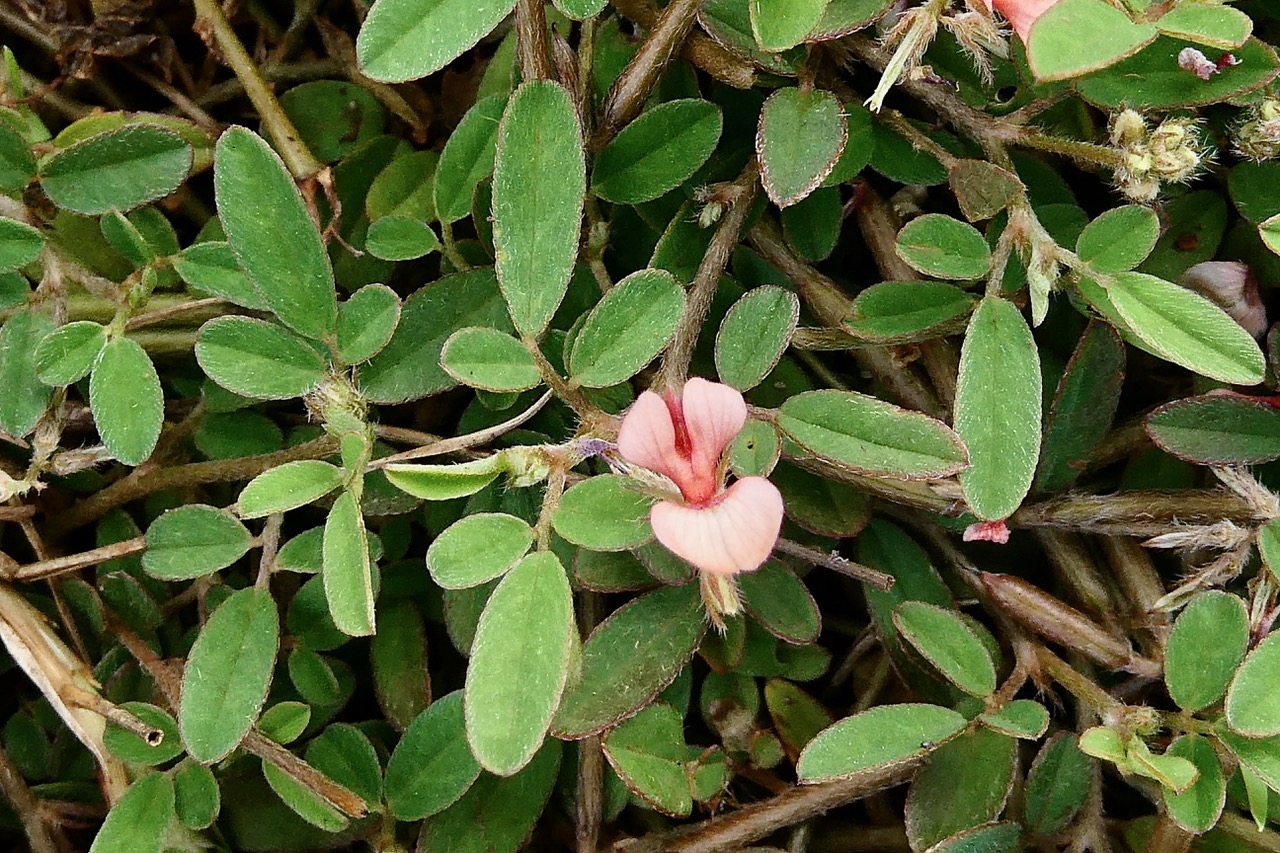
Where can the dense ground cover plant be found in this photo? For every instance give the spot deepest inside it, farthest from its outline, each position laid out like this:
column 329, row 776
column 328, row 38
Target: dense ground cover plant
column 458, row 425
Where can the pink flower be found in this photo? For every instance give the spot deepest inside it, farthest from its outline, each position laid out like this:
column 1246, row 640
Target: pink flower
column 718, row 530
column 987, row 531
column 1232, row 287
column 1020, row 14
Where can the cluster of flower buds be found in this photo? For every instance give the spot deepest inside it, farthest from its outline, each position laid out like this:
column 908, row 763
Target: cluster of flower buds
column 1258, row 138
column 1172, row 152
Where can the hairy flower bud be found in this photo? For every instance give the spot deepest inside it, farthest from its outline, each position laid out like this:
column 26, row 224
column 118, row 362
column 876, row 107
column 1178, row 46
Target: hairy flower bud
column 1258, row 138
column 1170, row 153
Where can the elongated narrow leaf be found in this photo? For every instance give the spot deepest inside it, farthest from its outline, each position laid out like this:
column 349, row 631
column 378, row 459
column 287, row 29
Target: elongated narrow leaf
column 519, row 664
column 407, row 39
column 872, row 436
column 25, row 396
column 1187, row 329
column 629, row 658
column 884, row 736
column 116, row 170
column 627, row 328
column 1083, row 407
column 255, row 358
column 942, row 638
column 1217, row 429
column 997, row 409
column 657, row 152
column 227, row 674
column 467, row 158
column 127, row 401
column 288, row 486
column 538, row 185
column 273, row 236
column 348, row 575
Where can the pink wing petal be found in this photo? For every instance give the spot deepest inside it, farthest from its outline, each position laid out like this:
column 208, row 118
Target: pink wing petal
column 714, row 414
column 1021, row 14
column 647, row 437
column 987, row 531
column 735, row 534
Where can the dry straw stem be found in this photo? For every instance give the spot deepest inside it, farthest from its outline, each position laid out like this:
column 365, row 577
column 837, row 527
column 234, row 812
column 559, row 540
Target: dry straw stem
column 720, row 63
column 632, row 88
column 66, row 682
column 531, row 40
column 735, row 830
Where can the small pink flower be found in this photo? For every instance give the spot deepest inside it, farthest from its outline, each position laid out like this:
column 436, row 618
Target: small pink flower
column 1020, row 14
column 718, row 530
column 987, row 531
column 1232, row 287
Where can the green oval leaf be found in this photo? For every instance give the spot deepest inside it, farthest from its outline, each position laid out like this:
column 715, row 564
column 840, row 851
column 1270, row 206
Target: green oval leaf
column 137, row 823
column 1074, row 37
column 116, row 170
column 649, row 754
column 799, row 141
column 17, row 163
column 127, row 401
column 519, row 664
column 895, row 312
column 489, row 360
column 348, row 574
column 272, row 234
column 539, row 181
column 1057, row 785
column 1253, row 703
column 626, row 329
column 781, row 603
column 631, row 657
column 1205, row 647
column 400, row 238
column 1217, row 429
column 196, row 796
column 408, row 367
column 965, row 784
column 602, row 514
column 131, row 748
column 406, row 39
column 212, row 268
column 1153, row 80
column 366, row 322
column 192, row 541
column 258, row 359
column 754, row 335
column 287, row 487
column 1021, row 718
column 227, row 674
column 1183, row 327
column 942, row 247
column 944, row 640
column 1119, row 239
column 69, row 353
column 872, row 436
column 478, row 548
column 1197, row 808
column 997, row 409
column 881, row 737
column 25, row 396
column 432, row 765
column 657, row 152
column 781, row 24
column 20, row 244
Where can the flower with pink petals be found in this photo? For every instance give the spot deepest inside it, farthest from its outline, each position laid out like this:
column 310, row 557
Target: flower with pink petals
column 721, row 531
column 987, row 531
column 1021, row 14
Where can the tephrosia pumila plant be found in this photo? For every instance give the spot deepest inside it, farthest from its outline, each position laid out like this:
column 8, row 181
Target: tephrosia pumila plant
column 484, row 425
